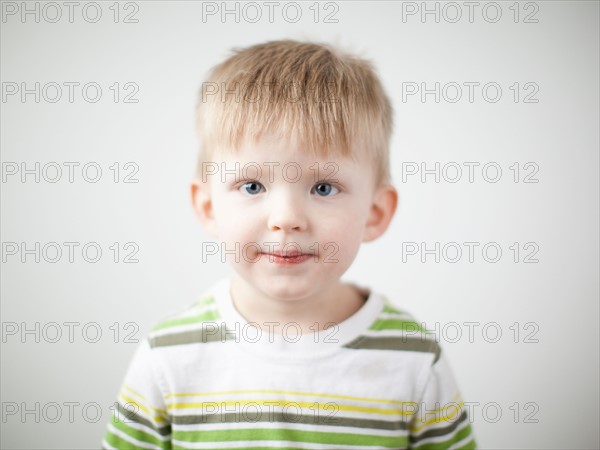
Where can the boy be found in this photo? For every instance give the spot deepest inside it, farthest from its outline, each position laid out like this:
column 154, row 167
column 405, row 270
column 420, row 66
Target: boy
column 293, row 175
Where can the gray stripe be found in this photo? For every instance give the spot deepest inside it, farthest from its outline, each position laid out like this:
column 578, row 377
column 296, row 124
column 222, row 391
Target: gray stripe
column 280, row 417
column 221, row 334
column 440, row 431
column 401, row 343
column 132, row 417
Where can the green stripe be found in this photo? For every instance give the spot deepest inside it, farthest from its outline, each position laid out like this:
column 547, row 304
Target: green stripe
column 462, row 434
column 397, row 324
column 388, row 307
column 138, row 434
column 283, row 434
column 264, row 448
column 471, row 445
column 279, row 417
column 118, row 442
column 198, row 318
column 261, row 448
column 204, row 317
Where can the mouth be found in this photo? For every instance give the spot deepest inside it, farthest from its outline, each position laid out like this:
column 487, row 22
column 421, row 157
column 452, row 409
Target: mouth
column 287, row 258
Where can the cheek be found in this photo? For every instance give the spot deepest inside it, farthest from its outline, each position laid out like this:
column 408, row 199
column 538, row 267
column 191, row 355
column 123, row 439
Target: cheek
column 341, row 242
column 238, row 226
column 227, row 220
column 345, row 222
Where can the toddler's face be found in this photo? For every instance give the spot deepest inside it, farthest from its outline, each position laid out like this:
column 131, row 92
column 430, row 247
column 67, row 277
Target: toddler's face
column 289, row 224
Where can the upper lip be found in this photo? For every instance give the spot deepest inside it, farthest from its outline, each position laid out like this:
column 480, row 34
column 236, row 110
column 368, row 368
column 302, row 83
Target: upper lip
column 287, row 254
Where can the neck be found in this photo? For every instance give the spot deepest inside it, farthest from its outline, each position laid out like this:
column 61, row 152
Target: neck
column 315, row 313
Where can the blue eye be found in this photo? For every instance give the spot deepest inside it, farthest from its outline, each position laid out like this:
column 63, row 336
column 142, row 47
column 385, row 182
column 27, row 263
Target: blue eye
column 251, row 187
column 325, row 189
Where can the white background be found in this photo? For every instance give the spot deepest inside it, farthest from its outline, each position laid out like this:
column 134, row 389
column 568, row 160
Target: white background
column 553, row 380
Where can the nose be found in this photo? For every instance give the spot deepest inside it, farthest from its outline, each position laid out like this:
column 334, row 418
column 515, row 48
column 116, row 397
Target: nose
column 287, row 214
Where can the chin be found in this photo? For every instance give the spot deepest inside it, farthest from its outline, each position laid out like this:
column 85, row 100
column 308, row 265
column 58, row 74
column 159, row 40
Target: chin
column 288, row 291
column 286, row 294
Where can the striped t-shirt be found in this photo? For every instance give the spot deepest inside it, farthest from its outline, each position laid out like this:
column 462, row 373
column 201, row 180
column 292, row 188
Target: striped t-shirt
column 206, row 378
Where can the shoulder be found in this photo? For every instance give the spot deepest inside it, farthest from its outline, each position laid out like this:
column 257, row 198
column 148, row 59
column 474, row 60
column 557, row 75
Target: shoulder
column 191, row 324
column 395, row 329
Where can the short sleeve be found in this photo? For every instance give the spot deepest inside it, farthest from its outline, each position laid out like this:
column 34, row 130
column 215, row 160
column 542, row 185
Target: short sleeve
column 441, row 420
column 140, row 418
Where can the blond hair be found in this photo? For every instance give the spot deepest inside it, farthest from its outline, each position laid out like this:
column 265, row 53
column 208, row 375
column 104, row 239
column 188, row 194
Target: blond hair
column 309, row 94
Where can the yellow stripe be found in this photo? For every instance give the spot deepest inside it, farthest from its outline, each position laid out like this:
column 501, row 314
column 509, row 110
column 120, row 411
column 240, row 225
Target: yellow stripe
column 134, row 392
column 446, row 418
column 308, row 394
column 457, row 399
column 324, row 406
column 156, row 416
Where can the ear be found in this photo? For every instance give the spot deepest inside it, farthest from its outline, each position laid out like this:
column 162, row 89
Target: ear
column 202, row 204
column 383, row 207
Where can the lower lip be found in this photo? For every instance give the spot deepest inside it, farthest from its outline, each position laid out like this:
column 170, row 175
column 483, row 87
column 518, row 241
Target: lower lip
column 286, row 261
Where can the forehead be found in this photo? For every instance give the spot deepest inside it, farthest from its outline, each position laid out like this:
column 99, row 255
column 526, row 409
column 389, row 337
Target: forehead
column 275, row 151
column 275, row 158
